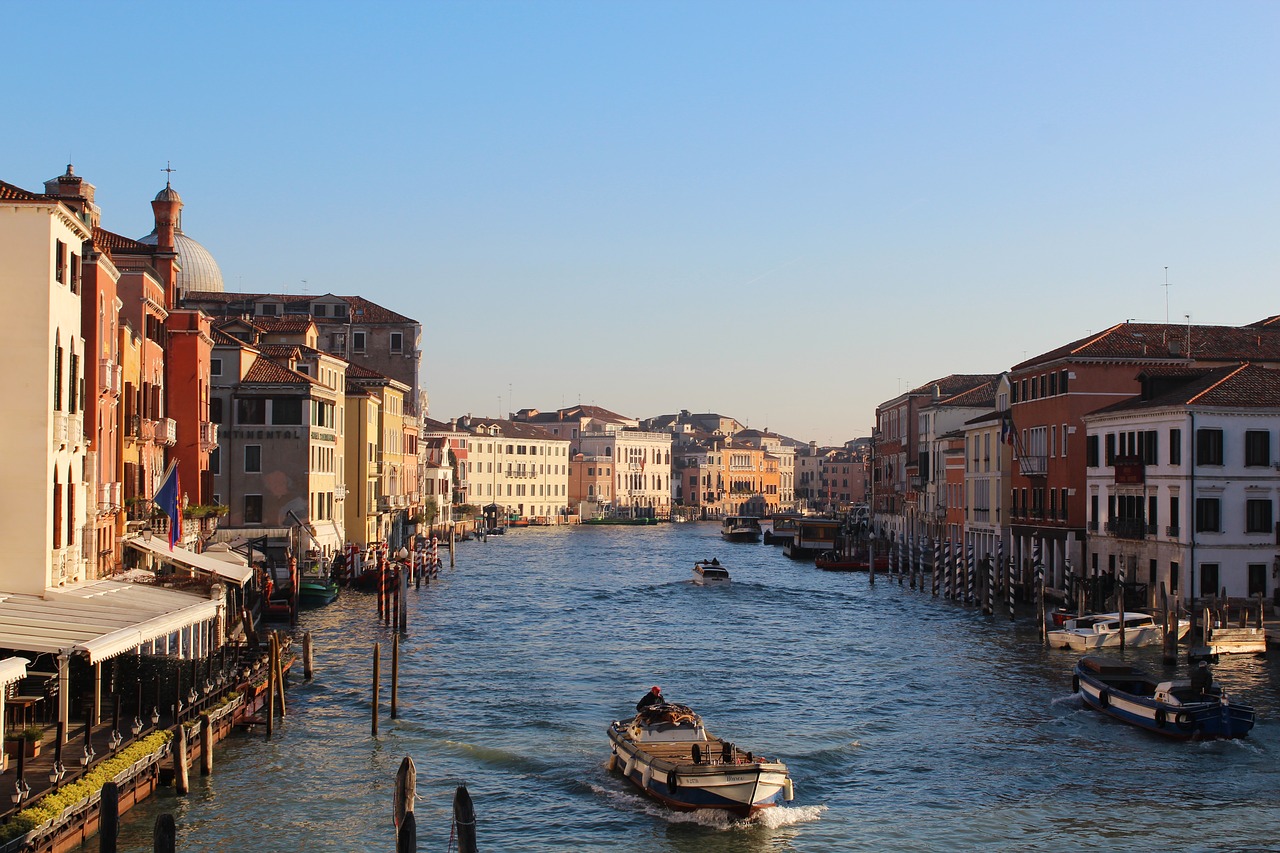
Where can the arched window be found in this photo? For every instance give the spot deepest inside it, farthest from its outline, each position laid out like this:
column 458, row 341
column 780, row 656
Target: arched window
column 57, row 373
column 71, row 510
column 57, row 510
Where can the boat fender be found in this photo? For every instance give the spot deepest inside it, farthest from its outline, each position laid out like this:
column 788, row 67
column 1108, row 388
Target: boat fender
column 626, row 767
column 672, row 782
column 1104, row 697
column 751, row 759
column 788, row 790
column 1160, row 718
column 1184, row 721
column 1075, row 684
column 613, row 762
column 726, row 752
column 646, row 776
column 697, row 754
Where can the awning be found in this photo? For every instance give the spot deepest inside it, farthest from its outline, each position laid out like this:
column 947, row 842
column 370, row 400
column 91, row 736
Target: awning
column 159, row 548
column 12, row 669
column 101, row 618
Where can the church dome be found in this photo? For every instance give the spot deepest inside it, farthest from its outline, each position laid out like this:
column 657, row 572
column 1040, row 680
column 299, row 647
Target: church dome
column 199, row 271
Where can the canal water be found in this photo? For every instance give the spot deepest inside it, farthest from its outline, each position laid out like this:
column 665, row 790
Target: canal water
column 908, row 722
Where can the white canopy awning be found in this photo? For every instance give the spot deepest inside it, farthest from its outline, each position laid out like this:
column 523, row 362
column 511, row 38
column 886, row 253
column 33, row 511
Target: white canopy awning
column 100, row 618
column 219, row 568
column 12, row 669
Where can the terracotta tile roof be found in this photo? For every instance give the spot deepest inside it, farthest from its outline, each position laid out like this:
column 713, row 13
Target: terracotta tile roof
column 9, row 192
column 1156, row 341
column 369, row 312
column 1272, row 322
column 279, row 351
column 266, row 371
column 288, row 325
column 508, row 429
column 112, row 243
column 221, row 337
column 1238, row 386
column 958, row 384
column 354, row 390
column 358, row 372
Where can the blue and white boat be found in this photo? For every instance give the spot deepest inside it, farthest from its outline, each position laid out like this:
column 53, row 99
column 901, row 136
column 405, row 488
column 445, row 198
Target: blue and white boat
column 666, row 752
column 1171, row 708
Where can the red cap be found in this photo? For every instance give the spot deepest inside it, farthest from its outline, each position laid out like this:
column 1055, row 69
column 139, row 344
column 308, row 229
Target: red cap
column 655, row 689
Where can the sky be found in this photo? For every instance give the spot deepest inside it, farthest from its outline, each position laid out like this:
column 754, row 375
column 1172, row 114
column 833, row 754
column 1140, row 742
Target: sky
column 785, row 212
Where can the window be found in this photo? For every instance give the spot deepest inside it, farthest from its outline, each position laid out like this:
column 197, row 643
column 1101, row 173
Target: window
column 253, row 458
column 357, row 342
column 1153, row 506
column 267, row 310
column 1208, row 578
column 1150, row 447
column 1257, row 514
column 1257, row 579
column 1257, row 447
column 1110, row 448
column 1091, row 451
column 215, row 462
column 1173, row 576
column 253, row 509
column 1175, row 447
column 60, row 262
column 1208, row 447
column 215, row 409
column 250, row 410
column 215, row 367
column 1208, row 515
column 1063, row 376
column 397, row 342
column 1175, row 522
column 322, row 310
column 286, row 411
column 75, row 273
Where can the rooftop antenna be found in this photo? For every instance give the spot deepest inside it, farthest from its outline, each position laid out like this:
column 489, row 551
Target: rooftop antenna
column 304, row 285
column 1166, row 295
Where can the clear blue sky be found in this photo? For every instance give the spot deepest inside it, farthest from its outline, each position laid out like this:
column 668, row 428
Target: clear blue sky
column 785, row 212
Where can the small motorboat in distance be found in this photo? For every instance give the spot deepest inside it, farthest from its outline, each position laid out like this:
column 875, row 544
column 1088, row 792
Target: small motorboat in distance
column 740, row 528
column 1099, row 630
column 666, row 752
column 1174, row 709
column 709, row 572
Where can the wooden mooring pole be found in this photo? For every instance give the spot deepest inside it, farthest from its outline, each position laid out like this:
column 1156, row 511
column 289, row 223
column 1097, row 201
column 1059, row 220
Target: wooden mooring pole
column 1168, row 648
column 278, row 663
column 464, row 820
column 181, row 780
column 453, row 545
column 206, row 744
column 271, row 691
column 308, row 661
column 407, row 837
column 395, row 675
column 108, row 818
column 164, row 838
column 377, row 654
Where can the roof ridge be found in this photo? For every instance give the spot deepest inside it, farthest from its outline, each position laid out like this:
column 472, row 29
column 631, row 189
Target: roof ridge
column 1214, row 385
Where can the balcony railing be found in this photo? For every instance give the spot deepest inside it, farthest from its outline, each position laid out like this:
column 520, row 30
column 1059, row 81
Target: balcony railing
column 1127, row 528
column 59, row 430
column 75, row 430
column 166, row 432
column 208, row 437
column 1172, row 530
column 109, row 376
column 1033, row 466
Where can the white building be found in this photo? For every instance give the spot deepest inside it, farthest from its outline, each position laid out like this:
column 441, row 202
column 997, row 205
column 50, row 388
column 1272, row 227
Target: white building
column 642, row 467
column 1183, row 482
column 520, row 468
column 44, row 461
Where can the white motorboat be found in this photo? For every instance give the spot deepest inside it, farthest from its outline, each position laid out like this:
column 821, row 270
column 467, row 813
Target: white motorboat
column 1102, row 630
column 740, row 528
column 710, row 572
column 666, row 752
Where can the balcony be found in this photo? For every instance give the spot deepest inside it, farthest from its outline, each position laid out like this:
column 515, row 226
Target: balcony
column 386, row 503
column 109, row 376
column 75, row 430
column 208, row 437
column 1127, row 528
column 1033, row 466
column 59, row 430
column 340, row 493
column 166, row 432
column 1173, row 530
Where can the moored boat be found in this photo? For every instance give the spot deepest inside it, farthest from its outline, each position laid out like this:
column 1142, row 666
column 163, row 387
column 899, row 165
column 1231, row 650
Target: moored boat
column 780, row 531
column 812, row 537
column 833, row 561
column 667, row 752
column 709, row 572
column 1102, row 630
column 740, row 528
column 1174, row 709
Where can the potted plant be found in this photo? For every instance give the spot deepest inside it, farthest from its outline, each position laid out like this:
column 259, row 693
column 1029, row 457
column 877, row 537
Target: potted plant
column 31, row 737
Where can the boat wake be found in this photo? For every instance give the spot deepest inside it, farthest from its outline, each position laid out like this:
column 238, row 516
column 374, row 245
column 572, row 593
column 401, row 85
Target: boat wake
column 771, row 818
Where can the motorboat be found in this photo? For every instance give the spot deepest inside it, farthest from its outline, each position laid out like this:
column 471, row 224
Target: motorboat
column 709, row 572
column 1174, row 709
column 740, row 528
column 1099, row 630
column 781, row 530
column 812, row 536
column 667, row 753
column 834, row 561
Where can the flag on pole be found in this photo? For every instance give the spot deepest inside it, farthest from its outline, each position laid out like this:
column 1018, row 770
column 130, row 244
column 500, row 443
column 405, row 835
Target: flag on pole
column 168, row 499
